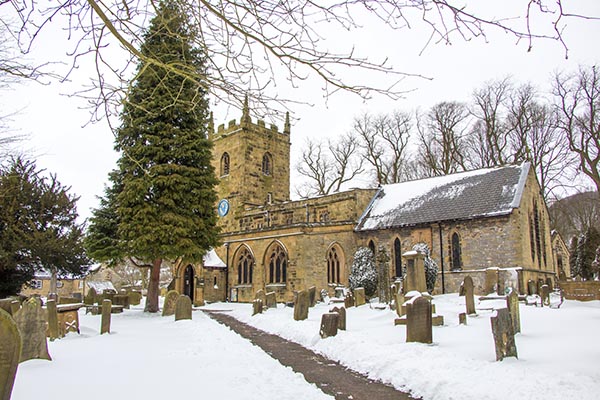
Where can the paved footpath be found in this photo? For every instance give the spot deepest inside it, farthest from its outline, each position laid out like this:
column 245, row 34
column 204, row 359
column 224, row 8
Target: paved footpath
column 331, row 377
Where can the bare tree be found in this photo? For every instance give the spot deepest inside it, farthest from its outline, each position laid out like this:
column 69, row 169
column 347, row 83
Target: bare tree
column 578, row 103
column 384, row 140
column 252, row 45
column 575, row 214
column 328, row 167
column 442, row 142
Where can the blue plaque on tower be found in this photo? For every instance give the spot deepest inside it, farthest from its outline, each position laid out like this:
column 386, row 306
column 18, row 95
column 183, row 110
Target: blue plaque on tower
column 223, row 207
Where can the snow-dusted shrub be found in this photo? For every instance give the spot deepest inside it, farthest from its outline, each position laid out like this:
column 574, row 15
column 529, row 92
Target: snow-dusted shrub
column 363, row 272
column 431, row 268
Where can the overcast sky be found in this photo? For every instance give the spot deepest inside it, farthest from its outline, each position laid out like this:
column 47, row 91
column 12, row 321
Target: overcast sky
column 82, row 155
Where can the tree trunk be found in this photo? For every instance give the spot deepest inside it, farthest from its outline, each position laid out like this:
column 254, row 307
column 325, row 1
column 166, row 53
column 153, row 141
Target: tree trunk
column 153, row 290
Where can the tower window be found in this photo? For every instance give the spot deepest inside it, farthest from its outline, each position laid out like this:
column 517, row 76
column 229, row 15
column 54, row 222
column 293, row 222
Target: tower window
column 267, row 164
column 456, row 253
column 225, row 164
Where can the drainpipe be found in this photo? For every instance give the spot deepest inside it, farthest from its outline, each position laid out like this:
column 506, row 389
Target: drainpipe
column 227, row 271
column 442, row 258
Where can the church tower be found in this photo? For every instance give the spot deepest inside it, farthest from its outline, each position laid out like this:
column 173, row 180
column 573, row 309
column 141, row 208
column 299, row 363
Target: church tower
column 252, row 162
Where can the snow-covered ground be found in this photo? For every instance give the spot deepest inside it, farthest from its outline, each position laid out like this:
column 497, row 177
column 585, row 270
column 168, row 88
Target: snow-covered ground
column 148, row 356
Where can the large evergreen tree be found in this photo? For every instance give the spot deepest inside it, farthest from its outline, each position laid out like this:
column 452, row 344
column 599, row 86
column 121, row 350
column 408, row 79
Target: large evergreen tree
column 164, row 190
column 38, row 227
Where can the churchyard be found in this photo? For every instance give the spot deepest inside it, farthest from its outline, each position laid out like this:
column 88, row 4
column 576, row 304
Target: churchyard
column 153, row 356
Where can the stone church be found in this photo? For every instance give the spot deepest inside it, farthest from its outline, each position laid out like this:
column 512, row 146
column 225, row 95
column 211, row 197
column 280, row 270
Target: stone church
column 491, row 224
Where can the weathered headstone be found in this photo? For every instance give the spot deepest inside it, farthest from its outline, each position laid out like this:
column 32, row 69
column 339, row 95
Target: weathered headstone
column 329, row 325
column 301, row 306
column 121, row 300
column 90, row 297
column 415, row 272
column 257, row 306
column 312, row 296
column 342, row 317
column 504, row 336
column 169, row 305
column 531, row 288
column 31, row 321
column 383, row 275
column 106, row 315
column 53, row 331
column 491, row 280
column 349, row 300
column 512, row 304
column 135, row 298
column 399, row 304
column 359, row 296
column 271, row 300
column 469, row 297
column 10, row 353
column 545, row 295
column 462, row 318
column 183, row 308
column 260, row 295
column 418, row 321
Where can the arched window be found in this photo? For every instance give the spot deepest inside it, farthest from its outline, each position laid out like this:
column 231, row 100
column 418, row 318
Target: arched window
column 398, row 257
column 372, row 247
column 277, row 262
column 267, row 164
column 335, row 265
column 456, row 253
column 245, row 265
column 225, row 164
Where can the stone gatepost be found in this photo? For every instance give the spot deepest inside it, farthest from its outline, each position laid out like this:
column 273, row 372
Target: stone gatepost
column 415, row 272
column 10, row 353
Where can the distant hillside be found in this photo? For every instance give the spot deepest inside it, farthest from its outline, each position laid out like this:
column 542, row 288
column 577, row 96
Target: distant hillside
column 574, row 214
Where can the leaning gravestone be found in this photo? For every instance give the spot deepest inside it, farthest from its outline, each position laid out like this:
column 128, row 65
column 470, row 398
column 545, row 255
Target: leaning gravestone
column 301, row 306
column 183, row 308
column 31, row 321
column 359, row 296
column 419, row 321
column 469, row 298
column 170, row 300
column 512, row 303
column 10, row 352
column 342, row 317
column 257, row 306
column 329, row 325
column 504, row 335
column 106, row 315
column 312, row 296
column 53, row 332
column 270, row 300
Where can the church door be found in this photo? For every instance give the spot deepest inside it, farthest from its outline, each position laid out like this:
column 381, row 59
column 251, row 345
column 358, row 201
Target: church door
column 188, row 282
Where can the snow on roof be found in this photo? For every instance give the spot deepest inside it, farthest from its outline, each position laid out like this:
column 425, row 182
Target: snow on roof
column 212, row 260
column 101, row 286
column 465, row 195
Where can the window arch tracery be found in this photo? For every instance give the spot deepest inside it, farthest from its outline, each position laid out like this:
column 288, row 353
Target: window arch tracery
column 277, row 261
column 244, row 262
column 267, row 164
column 225, row 164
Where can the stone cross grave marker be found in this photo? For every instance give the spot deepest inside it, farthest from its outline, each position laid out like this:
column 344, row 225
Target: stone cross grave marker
column 512, row 304
column 418, row 321
column 106, row 315
column 183, row 308
column 359, row 296
column 469, row 297
column 301, row 306
column 329, row 325
column 342, row 317
column 312, row 296
column 504, row 335
column 31, row 321
column 53, row 331
column 257, row 306
column 10, row 353
column 169, row 305
column 271, row 300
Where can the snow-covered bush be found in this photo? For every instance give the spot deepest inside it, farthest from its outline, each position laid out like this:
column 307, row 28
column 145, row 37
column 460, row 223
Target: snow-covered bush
column 363, row 272
column 431, row 268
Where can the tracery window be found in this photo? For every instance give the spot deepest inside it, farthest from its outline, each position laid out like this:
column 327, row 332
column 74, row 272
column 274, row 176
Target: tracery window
column 245, row 266
column 277, row 261
column 225, row 164
column 267, row 164
column 334, row 265
column 456, row 253
column 398, row 257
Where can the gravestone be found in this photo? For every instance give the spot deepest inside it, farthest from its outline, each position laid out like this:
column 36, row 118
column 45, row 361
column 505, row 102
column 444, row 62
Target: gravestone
column 342, row 317
column 504, row 335
column 415, row 272
column 531, row 288
column 469, row 297
column 491, row 280
column 169, row 305
column 383, row 275
column 10, row 353
column 301, row 306
column 31, row 322
column 183, row 308
column 121, row 300
column 399, row 304
column 260, row 295
column 257, row 306
column 359, row 296
column 418, row 321
column 90, row 297
column 135, row 298
column 512, row 304
column 106, row 315
column 545, row 295
column 312, row 296
column 14, row 307
column 329, row 325
column 349, row 300
column 462, row 318
column 53, row 332
column 271, row 300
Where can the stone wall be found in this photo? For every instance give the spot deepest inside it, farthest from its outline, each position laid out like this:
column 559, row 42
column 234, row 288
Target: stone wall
column 583, row 291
